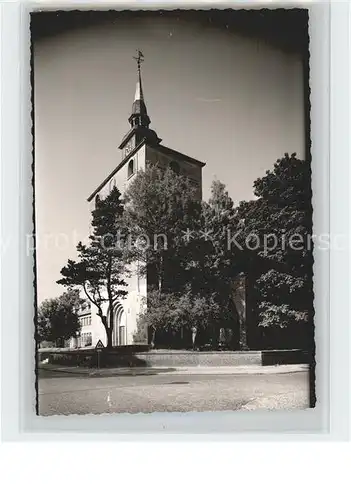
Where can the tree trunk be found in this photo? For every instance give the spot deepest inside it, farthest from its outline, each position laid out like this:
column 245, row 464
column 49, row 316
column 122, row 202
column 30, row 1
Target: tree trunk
column 103, row 318
column 239, row 297
column 110, row 324
column 153, row 335
column 107, row 330
column 160, row 275
column 243, row 335
column 109, row 337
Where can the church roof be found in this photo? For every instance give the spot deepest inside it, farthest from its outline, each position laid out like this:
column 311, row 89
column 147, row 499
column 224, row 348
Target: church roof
column 178, row 154
column 162, row 149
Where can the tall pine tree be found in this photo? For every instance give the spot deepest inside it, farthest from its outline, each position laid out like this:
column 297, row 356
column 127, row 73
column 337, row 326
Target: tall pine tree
column 101, row 265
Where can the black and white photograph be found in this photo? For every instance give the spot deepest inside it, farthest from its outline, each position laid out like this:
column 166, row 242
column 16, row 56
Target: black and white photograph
column 173, row 234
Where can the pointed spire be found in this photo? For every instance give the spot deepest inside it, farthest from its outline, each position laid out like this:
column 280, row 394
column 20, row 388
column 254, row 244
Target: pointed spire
column 139, row 116
column 139, row 96
column 139, row 119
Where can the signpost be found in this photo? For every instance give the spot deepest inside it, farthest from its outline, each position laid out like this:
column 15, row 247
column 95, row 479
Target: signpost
column 99, row 347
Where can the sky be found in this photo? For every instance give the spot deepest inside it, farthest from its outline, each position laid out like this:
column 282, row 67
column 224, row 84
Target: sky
column 213, row 92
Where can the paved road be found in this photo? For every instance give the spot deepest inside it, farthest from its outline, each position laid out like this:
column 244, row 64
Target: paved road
column 64, row 394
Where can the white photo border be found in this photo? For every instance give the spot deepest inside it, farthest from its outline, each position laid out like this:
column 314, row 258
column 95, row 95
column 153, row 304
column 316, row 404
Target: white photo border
column 330, row 113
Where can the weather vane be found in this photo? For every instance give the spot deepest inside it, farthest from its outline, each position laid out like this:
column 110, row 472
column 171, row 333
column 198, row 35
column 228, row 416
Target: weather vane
column 139, row 59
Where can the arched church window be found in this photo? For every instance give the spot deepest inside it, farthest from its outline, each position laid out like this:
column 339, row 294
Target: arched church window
column 175, row 167
column 97, row 199
column 130, row 168
column 112, row 184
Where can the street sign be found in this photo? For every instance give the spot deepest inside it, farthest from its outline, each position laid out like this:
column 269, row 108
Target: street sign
column 99, row 346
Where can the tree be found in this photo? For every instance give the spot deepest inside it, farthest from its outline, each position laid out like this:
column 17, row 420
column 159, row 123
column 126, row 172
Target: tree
column 277, row 228
column 162, row 207
column 72, row 298
column 218, row 263
column 159, row 315
column 58, row 319
column 171, row 315
column 101, row 265
column 194, row 270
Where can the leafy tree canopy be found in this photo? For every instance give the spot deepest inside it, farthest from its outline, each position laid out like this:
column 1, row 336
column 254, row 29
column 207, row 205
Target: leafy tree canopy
column 57, row 318
column 280, row 221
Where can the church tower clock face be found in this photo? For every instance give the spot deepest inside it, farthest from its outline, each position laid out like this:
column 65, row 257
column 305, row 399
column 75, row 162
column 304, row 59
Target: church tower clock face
column 128, row 148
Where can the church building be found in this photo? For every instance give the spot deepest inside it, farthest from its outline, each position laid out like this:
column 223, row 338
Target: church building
column 140, row 146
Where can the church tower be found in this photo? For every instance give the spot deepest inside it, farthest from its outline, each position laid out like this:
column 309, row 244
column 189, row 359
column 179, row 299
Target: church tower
column 140, row 146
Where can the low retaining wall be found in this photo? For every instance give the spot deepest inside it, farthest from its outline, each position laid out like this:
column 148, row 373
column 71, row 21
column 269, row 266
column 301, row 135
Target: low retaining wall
column 285, row 357
column 186, row 358
column 86, row 356
column 170, row 358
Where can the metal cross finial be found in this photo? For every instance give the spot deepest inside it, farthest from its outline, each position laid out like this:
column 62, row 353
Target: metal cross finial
column 139, row 59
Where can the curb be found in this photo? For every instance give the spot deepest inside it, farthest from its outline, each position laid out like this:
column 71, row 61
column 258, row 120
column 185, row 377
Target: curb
column 199, row 370
column 120, row 372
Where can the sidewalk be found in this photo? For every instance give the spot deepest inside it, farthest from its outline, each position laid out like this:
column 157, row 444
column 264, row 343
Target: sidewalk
column 183, row 370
